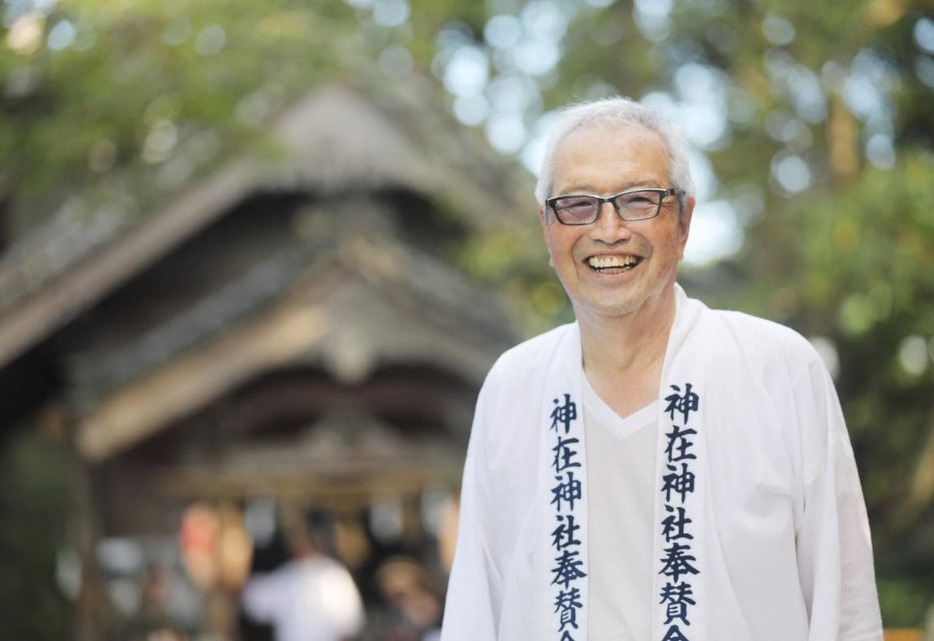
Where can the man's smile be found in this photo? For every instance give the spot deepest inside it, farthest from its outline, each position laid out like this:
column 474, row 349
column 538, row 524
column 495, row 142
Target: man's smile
column 612, row 264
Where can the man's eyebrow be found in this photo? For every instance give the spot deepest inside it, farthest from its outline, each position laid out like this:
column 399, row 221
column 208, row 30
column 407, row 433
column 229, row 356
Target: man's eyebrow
column 590, row 191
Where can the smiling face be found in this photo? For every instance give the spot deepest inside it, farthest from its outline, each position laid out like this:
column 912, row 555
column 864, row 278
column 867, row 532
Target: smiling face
column 613, row 268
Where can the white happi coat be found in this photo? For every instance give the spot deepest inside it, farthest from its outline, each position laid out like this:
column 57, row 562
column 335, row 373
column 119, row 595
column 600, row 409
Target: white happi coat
column 761, row 529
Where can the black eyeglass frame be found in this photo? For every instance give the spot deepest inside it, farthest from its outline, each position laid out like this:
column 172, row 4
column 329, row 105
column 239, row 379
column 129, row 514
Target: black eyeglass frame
column 663, row 194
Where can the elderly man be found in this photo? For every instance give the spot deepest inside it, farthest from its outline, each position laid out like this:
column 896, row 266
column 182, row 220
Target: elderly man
column 656, row 470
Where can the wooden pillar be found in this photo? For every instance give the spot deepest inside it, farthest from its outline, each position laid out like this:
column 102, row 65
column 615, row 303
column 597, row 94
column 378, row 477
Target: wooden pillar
column 93, row 613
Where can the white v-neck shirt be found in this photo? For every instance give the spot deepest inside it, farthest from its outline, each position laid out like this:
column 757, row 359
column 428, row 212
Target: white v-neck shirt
column 621, row 482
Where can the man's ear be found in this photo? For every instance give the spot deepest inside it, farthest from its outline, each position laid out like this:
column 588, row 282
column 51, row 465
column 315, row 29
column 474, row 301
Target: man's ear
column 684, row 222
column 546, row 220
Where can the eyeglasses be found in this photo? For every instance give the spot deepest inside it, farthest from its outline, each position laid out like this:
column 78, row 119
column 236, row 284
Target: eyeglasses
column 637, row 204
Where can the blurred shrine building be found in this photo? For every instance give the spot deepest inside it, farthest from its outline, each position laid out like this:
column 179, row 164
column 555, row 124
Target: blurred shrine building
column 285, row 329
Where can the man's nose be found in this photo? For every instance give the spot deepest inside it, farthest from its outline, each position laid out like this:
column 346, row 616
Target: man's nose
column 609, row 226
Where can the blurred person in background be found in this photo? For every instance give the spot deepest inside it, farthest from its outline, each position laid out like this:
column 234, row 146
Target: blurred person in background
column 414, row 598
column 311, row 597
column 656, row 470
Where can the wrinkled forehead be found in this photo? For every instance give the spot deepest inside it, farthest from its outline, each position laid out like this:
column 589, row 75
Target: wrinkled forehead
column 627, row 152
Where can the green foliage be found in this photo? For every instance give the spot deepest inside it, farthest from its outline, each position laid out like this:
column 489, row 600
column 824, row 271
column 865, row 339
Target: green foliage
column 587, row 70
column 878, row 228
column 867, row 279
column 138, row 80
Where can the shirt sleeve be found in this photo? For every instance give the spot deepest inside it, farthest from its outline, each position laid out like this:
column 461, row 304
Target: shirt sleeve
column 835, row 561
column 341, row 601
column 474, row 590
column 262, row 594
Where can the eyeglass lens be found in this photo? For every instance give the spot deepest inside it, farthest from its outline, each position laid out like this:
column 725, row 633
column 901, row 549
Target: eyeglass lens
column 634, row 205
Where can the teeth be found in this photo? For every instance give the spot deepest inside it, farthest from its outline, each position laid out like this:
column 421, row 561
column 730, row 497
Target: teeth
column 610, row 262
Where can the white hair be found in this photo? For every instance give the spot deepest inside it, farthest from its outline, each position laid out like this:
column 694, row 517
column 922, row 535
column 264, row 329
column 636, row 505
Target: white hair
column 616, row 112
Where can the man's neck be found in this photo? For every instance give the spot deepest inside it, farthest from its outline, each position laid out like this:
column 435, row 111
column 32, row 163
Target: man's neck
column 623, row 356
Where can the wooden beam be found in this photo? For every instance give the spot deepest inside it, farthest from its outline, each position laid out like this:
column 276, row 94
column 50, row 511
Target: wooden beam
column 142, row 408
column 358, row 488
